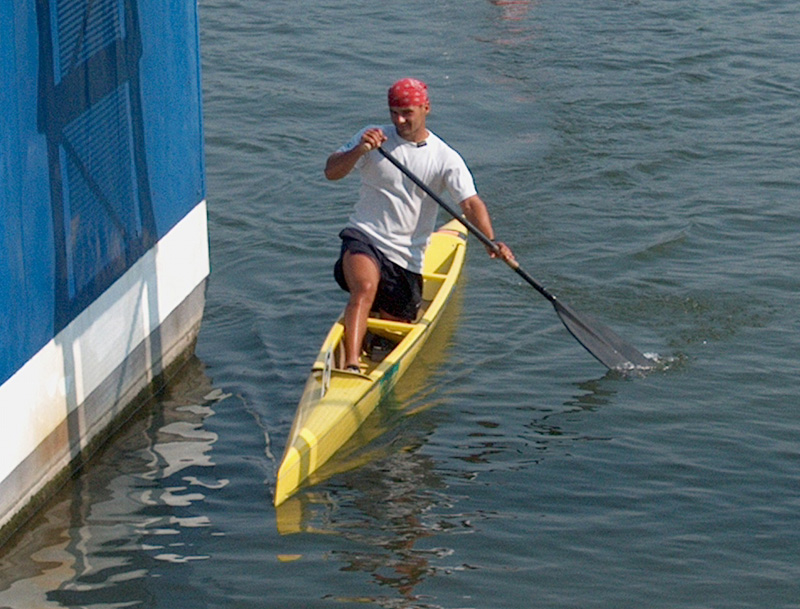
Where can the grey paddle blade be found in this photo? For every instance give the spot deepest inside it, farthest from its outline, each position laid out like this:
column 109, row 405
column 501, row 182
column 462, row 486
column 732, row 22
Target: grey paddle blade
column 602, row 342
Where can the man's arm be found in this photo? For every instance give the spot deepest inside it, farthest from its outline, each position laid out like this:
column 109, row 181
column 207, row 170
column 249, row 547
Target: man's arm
column 476, row 212
column 340, row 164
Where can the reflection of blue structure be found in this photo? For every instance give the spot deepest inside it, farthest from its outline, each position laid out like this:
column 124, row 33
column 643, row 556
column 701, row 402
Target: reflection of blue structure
column 102, row 220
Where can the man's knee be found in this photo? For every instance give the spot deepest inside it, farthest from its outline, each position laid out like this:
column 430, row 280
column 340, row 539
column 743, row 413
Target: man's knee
column 363, row 290
column 361, row 273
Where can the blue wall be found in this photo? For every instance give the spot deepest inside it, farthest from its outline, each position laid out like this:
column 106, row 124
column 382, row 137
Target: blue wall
column 100, row 152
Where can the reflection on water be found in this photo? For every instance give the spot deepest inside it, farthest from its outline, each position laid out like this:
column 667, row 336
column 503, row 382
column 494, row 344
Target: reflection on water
column 392, row 509
column 138, row 503
column 390, row 495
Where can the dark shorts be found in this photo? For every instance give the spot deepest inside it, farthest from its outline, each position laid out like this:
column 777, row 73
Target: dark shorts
column 399, row 291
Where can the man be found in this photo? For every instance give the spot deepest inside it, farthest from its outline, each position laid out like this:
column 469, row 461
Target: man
column 385, row 239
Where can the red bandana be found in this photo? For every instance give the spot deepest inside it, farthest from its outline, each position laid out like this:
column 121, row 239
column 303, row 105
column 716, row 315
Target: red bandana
column 407, row 93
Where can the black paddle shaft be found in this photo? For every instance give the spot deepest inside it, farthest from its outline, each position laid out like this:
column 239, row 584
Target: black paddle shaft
column 599, row 340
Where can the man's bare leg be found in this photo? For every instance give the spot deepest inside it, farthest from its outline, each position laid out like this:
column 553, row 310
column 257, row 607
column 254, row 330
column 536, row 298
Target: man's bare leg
column 362, row 275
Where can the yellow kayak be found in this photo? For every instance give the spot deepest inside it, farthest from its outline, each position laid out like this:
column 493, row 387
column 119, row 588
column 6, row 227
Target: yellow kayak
column 335, row 402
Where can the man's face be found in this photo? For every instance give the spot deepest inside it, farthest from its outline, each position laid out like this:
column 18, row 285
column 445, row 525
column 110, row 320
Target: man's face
column 410, row 122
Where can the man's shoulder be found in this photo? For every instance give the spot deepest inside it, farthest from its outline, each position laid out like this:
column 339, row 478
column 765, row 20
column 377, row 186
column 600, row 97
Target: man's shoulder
column 443, row 149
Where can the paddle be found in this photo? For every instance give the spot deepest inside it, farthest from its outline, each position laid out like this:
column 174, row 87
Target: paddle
column 599, row 340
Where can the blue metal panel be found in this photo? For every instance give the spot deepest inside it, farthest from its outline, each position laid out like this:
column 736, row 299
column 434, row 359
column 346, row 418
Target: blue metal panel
column 100, row 152
column 26, row 235
column 172, row 105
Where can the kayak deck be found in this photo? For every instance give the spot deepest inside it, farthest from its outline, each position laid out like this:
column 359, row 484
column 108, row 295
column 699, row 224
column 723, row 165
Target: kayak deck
column 335, row 402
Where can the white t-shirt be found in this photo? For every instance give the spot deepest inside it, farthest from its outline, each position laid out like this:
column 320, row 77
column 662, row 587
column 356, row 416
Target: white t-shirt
column 396, row 214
